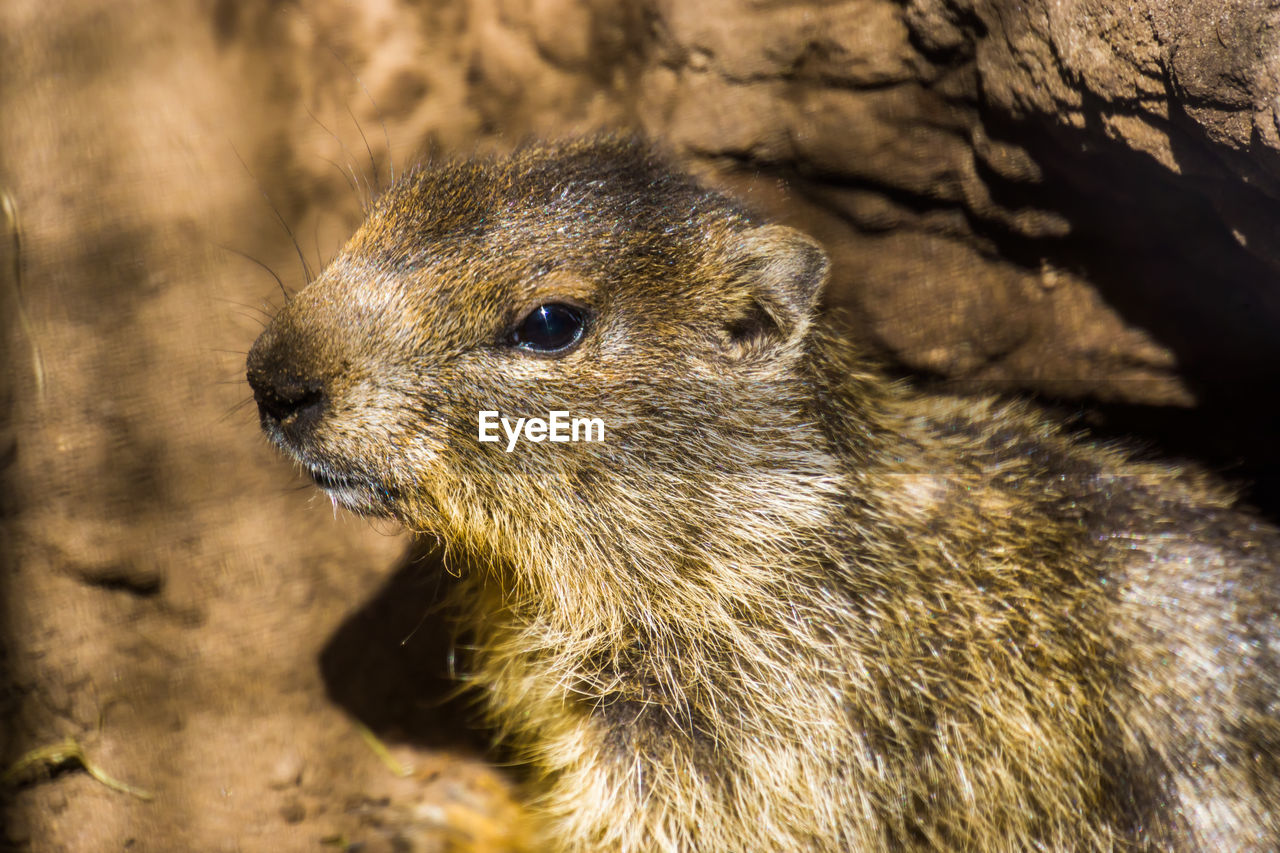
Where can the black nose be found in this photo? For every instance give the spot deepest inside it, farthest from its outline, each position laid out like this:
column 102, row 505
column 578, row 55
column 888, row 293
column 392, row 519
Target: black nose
column 291, row 401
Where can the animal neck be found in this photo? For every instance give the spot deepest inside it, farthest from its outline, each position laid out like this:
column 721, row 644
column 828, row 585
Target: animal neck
column 689, row 547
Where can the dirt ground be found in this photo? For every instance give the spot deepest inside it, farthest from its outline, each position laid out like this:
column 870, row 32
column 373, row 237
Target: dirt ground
column 181, row 613
column 175, row 601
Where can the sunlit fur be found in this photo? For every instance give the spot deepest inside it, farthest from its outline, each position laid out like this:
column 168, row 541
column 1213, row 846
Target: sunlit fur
column 788, row 604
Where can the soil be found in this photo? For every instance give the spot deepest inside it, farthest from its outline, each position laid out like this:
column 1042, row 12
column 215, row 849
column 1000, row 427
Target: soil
column 1073, row 199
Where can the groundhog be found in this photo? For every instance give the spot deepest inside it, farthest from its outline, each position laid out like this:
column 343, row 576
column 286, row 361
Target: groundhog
column 732, row 589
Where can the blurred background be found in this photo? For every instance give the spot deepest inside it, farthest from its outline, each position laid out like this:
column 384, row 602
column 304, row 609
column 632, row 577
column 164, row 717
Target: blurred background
column 1072, row 199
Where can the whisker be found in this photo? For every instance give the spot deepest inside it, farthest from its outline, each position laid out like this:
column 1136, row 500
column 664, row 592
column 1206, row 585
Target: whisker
column 245, row 305
column 306, row 270
column 315, row 236
column 248, row 257
column 234, row 410
column 386, row 136
column 353, row 180
column 373, row 164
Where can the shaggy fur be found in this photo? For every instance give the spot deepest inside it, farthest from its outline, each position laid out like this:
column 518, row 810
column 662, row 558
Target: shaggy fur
column 787, row 604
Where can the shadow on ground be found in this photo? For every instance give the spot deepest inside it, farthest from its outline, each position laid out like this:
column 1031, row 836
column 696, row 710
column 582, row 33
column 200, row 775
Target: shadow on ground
column 390, row 664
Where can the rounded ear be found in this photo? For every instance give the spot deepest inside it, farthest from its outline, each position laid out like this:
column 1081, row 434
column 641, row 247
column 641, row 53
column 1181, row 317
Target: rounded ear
column 784, row 270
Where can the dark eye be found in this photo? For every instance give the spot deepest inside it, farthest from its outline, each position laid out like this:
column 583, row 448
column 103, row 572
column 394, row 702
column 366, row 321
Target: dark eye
column 550, row 328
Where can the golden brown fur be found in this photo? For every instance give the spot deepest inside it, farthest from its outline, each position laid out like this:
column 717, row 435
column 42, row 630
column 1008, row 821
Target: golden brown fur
column 787, row 604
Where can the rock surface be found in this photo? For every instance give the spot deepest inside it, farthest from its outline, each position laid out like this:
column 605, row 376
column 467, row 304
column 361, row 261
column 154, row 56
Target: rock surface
column 1074, row 198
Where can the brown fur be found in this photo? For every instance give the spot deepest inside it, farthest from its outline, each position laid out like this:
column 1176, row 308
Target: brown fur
column 787, row 604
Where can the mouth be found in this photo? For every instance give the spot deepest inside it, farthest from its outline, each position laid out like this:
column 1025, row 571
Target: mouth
column 358, row 494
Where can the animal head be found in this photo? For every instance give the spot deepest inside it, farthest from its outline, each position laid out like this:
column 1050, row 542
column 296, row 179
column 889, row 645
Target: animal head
column 591, row 279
